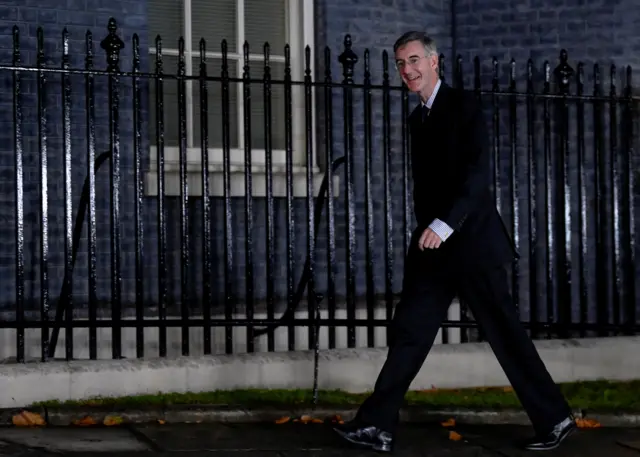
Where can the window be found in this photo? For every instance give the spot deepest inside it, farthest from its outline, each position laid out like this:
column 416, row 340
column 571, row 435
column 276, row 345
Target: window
column 277, row 22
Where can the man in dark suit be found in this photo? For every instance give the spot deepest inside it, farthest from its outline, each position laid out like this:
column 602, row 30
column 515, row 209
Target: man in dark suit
column 460, row 247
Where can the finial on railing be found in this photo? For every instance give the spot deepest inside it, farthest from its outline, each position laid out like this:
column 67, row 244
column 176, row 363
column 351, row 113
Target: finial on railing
column 112, row 44
column 564, row 72
column 348, row 59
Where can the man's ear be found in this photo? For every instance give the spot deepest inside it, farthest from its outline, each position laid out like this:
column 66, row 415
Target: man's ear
column 434, row 61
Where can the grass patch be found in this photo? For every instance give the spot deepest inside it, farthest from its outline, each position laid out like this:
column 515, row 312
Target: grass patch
column 592, row 395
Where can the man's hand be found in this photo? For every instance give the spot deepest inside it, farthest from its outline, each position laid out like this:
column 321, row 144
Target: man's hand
column 429, row 240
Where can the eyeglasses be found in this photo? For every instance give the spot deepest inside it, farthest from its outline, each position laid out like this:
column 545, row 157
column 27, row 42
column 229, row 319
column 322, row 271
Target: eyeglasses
column 413, row 62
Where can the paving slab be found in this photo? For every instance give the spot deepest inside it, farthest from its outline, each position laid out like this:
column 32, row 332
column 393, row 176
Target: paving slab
column 16, row 450
column 297, row 439
column 76, row 439
column 596, row 442
column 633, row 444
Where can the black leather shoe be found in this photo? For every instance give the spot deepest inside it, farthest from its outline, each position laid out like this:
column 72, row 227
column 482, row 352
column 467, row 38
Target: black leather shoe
column 553, row 439
column 366, row 436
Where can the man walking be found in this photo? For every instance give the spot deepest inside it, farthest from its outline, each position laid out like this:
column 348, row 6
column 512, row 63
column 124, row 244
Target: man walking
column 460, row 247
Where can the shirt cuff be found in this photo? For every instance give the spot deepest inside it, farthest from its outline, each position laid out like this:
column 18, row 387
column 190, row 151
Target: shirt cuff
column 441, row 229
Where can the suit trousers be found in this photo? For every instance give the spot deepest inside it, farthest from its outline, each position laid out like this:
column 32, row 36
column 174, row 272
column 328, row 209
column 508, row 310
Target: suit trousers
column 425, row 299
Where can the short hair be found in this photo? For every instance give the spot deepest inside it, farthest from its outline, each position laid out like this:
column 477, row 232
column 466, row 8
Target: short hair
column 428, row 42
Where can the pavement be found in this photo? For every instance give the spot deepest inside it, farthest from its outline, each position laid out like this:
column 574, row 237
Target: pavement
column 296, row 440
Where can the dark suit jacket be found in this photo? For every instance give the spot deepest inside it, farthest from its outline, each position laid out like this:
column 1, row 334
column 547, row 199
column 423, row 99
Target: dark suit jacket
column 451, row 176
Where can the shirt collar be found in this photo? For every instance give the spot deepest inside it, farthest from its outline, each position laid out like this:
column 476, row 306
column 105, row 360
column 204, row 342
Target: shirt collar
column 433, row 95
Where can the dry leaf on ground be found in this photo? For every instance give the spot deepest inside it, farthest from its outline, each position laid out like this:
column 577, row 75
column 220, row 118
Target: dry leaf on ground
column 162, row 421
column 111, row 421
column 305, row 419
column 454, row 436
column 451, row 422
column 28, row 419
column 86, row 420
column 283, row 420
column 588, row 423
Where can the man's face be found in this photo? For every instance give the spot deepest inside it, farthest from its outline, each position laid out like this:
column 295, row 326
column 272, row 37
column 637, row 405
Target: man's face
column 417, row 70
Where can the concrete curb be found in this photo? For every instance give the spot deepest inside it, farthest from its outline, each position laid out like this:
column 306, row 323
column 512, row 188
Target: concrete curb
column 449, row 366
column 66, row 416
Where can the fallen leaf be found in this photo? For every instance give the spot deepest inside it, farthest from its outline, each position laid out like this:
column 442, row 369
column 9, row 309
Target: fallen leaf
column 336, row 418
column 283, row 420
column 162, row 421
column 588, row 423
column 454, row 436
column 110, row 421
column 317, row 421
column 86, row 420
column 28, row 419
column 449, row 423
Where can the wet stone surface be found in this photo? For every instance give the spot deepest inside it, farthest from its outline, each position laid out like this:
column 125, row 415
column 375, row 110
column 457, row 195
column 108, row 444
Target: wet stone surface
column 297, row 440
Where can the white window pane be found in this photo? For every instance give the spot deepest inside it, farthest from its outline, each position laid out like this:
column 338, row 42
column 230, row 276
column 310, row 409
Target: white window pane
column 169, row 102
column 265, row 24
column 166, row 18
column 214, row 21
column 214, row 108
column 258, row 114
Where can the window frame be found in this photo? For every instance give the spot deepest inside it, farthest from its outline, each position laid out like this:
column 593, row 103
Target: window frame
column 300, row 33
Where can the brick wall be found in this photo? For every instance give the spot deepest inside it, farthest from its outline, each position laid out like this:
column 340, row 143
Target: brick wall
column 591, row 32
column 78, row 16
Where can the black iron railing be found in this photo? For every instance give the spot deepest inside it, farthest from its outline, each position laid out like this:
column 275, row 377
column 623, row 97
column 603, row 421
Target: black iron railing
column 564, row 179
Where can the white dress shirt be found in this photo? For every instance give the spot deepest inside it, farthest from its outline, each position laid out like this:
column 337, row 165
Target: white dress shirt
column 440, row 228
